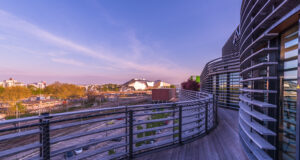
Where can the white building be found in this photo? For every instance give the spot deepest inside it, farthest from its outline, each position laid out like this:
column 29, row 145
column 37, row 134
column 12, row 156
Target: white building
column 40, row 85
column 10, row 82
column 138, row 85
column 150, row 84
column 161, row 84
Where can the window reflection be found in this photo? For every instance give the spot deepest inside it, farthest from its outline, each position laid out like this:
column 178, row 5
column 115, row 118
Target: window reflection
column 289, row 42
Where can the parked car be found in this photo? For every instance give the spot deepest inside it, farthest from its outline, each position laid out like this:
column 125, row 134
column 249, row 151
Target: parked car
column 110, row 122
column 78, row 151
column 158, row 131
column 152, row 141
column 119, row 139
column 68, row 155
column 86, row 148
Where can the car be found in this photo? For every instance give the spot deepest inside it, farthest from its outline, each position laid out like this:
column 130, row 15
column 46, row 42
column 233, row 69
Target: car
column 78, row 151
column 158, row 131
column 119, row 139
column 68, row 155
column 86, row 148
column 110, row 122
column 152, row 141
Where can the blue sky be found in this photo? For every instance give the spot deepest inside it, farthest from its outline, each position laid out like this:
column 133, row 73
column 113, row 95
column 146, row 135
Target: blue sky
column 96, row 41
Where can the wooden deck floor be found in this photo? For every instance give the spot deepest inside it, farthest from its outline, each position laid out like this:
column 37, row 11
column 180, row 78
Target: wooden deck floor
column 221, row 144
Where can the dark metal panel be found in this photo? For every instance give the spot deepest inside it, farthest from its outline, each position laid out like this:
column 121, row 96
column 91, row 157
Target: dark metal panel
column 298, row 100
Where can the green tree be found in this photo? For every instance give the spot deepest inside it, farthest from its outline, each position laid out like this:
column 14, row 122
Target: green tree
column 64, row 90
column 35, row 91
column 172, row 86
column 12, row 96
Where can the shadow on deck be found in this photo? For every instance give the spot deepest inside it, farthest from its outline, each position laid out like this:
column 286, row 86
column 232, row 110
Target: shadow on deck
column 222, row 143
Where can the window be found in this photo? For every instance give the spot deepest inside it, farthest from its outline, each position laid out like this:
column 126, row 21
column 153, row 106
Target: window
column 289, row 59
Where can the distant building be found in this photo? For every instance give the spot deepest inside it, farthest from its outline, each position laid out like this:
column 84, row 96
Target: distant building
column 11, row 83
column 40, row 85
column 136, row 84
column 143, row 84
column 161, row 84
column 163, row 94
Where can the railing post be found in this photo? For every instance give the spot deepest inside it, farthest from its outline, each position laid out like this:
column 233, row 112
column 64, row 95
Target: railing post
column 130, row 134
column 126, row 128
column 216, row 111
column 180, row 125
column 45, row 136
column 199, row 116
column 206, row 115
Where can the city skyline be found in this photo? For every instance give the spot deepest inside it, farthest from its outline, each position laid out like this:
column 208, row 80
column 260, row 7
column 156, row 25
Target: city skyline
column 101, row 42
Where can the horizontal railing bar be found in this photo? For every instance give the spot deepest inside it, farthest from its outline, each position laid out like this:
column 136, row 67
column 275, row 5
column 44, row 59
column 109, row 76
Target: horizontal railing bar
column 192, row 134
column 194, row 107
column 86, row 111
column 19, row 134
column 154, row 129
column 198, row 127
column 116, row 155
column 194, row 114
column 153, row 113
column 88, row 116
column 192, row 121
column 15, row 150
column 96, row 141
column 155, row 136
column 20, row 127
column 19, row 120
column 84, row 122
column 100, row 150
column 155, row 120
column 68, row 137
column 157, row 144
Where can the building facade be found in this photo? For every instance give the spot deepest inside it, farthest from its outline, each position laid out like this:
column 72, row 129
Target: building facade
column 266, row 48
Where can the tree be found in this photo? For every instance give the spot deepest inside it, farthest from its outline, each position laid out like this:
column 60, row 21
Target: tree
column 1, row 92
column 12, row 95
column 64, row 90
column 190, row 85
column 34, row 90
column 172, row 86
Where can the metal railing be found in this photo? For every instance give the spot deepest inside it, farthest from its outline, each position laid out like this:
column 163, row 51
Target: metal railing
column 108, row 133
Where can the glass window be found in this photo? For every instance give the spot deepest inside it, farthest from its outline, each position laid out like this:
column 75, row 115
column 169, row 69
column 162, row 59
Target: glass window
column 290, row 85
column 290, row 74
column 290, row 64
column 291, row 43
column 289, row 100
column 291, row 53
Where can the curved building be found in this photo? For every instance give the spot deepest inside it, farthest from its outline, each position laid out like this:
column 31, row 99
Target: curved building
column 221, row 76
column 265, row 47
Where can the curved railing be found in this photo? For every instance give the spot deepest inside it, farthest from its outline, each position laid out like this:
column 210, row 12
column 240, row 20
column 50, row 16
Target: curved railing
column 220, row 77
column 107, row 133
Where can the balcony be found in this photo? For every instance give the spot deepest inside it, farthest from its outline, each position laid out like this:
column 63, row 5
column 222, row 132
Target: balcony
column 186, row 129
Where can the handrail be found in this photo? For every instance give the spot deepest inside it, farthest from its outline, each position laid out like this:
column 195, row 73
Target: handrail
column 106, row 133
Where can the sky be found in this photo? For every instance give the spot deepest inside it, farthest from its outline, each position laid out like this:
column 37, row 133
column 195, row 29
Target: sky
column 112, row 41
